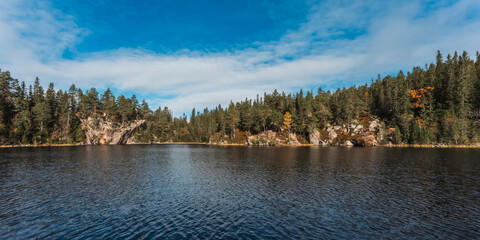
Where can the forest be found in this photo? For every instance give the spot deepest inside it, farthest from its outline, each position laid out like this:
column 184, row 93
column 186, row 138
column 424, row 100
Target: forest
column 437, row 103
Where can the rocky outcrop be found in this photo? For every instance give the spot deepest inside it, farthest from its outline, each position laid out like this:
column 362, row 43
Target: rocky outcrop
column 367, row 133
column 271, row 138
column 100, row 131
column 268, row 138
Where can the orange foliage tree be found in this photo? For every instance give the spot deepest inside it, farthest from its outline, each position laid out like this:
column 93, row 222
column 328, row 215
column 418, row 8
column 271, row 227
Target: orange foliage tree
column 418, row 94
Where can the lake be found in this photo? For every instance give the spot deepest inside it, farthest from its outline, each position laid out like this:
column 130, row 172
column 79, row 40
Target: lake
column 207, row 192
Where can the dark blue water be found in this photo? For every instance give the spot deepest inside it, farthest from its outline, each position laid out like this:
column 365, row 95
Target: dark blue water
column 201, row 192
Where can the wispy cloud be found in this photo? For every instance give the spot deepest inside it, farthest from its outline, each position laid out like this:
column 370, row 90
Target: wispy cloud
column 343, row 43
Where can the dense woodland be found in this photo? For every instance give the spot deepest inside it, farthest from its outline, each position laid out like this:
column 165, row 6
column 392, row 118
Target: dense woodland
column 438, row 103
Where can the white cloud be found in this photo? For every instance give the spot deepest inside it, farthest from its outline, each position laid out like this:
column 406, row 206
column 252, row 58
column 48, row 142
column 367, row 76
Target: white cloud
column 394, row 36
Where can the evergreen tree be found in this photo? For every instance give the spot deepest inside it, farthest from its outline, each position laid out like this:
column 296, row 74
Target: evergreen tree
column 439, row 103
column 109, row 104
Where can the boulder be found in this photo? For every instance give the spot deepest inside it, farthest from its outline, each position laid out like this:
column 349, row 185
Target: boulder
column 251, row 140
column 373, row 125
column 357, row 130
column 332, row 134
column 367, row 141
column 348, row 143
column 293, row 139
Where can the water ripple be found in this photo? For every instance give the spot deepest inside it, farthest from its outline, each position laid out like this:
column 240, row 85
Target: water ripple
column 199, row 192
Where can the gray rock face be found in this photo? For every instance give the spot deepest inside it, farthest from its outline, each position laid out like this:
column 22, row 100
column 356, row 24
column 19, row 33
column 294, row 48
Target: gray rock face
column 100, row 131
column 314, row 137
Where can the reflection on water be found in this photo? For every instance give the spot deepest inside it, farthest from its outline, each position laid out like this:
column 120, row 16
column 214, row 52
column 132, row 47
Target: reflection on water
column 190, row 191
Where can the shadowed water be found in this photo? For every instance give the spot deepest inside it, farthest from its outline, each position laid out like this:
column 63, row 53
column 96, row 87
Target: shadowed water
column 202, row 192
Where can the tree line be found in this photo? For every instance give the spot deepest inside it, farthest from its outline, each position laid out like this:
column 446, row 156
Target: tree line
column 437, row 103
column 32, row 115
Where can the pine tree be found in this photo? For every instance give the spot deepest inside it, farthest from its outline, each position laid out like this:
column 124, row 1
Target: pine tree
column 42, row 114
column 109, row 104
column 50, row 100
column 6, row 105
column 232, row 118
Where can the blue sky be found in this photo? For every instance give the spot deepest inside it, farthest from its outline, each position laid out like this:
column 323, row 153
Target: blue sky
column 192, row 53
column 172, row 25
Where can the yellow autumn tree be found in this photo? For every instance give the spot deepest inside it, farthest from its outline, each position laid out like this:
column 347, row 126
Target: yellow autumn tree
column 287, row 123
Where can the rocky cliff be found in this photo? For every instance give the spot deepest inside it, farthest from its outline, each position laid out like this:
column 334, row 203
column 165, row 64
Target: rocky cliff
column 100, row 131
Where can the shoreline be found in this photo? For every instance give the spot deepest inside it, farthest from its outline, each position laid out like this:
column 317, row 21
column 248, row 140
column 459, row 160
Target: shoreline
column 44, row 145
column 431, row 145
column 239, row 144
